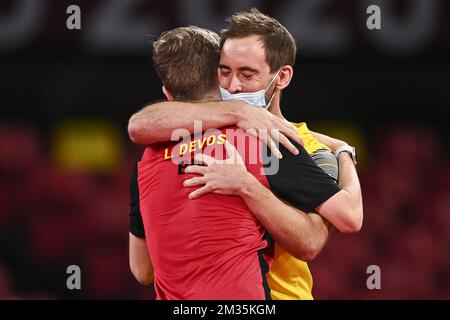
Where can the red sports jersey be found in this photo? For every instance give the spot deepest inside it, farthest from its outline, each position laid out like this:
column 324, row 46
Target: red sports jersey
column 208, row 248
column 213, row 247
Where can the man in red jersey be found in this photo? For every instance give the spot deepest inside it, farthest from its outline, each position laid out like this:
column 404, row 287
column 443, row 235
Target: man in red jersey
column 211, row 248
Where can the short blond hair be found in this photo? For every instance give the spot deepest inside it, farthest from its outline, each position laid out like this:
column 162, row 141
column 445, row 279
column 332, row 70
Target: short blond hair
column 186, row 61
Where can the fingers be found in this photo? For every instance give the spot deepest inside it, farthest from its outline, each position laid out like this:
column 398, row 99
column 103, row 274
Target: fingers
column 290, row 131
column 233, row 154
column 287, row 144
column 253, row 133
column 200, row 192
column 290, row 125
column 273, row 147
column 194, row 182
column 203, row 158
column 196, row 170
column 265, row 137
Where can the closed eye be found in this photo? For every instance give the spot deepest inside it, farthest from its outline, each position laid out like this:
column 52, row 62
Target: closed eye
column 248, row 76
column 224, row 70
column 225, row 73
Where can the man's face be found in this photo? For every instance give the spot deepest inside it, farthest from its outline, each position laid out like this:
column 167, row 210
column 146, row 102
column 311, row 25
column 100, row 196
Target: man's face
column 243, row 66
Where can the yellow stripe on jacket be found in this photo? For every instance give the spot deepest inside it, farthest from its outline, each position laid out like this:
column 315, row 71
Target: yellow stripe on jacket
column 290, row 278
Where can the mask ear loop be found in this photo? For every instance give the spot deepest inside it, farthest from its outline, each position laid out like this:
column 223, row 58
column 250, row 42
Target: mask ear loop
column 273, row 95
column 270, row 102
column 273, row 79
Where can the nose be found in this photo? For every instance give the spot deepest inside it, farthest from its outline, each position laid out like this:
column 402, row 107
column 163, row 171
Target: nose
column 235, row 85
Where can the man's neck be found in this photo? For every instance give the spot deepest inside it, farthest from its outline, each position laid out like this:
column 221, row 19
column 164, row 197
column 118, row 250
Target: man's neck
column 207, row 97
column 275, row 107
column 211, row 96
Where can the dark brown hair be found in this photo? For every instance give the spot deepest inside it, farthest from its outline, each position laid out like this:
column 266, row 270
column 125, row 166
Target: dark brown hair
column 278, row 42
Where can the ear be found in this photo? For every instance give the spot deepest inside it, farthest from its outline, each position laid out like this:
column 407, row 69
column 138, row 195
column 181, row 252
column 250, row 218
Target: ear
column 167, row 93
column 285, row 77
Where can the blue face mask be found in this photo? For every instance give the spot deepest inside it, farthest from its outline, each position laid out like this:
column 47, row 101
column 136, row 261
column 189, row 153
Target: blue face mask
column 257, row 98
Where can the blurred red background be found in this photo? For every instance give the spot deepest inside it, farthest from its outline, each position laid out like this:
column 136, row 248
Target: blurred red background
column 66, row 160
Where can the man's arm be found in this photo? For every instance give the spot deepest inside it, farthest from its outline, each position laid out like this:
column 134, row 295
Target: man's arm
column 345, row 210
column 155, row 123
column 139, row 259
column 303, row 235
column 298, row 181
column 140, row 263
column 330, row 142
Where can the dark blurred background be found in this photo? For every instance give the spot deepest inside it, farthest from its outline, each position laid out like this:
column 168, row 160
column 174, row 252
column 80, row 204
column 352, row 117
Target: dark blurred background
column 65, row 157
